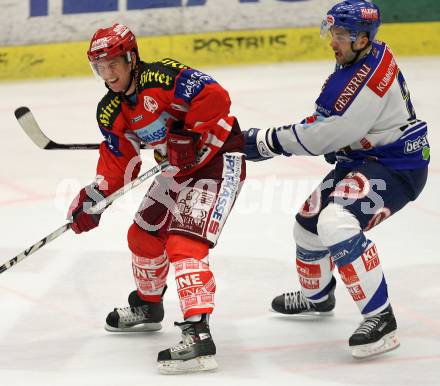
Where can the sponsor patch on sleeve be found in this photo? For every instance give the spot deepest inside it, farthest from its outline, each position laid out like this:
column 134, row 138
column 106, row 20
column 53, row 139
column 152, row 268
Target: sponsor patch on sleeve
column 190, row 83
column 384, row 75
column 352, row 88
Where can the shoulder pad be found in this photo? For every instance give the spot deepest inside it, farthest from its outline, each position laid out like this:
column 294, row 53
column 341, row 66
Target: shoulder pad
column 108, row 109
column 156, row 75
column 168, row 62
column 342, row 87
column 385, row 72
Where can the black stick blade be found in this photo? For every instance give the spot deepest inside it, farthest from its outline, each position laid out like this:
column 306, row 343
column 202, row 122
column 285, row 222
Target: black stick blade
column 19, row 112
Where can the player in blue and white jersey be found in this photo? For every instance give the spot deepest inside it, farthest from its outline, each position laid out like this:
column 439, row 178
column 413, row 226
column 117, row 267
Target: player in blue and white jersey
column 365, row 123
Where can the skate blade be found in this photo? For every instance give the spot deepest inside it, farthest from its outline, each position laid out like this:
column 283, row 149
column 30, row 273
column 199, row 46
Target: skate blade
column 204, row 363
column 144, row 327
column 388, row 343
column 305, row 314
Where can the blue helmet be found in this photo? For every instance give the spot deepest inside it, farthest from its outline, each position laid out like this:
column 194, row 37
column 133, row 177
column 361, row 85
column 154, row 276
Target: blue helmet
column 355, row 16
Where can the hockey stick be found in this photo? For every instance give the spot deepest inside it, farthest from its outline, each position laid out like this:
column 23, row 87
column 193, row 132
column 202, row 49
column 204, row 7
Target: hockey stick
column 31, row 127
column 93, row 210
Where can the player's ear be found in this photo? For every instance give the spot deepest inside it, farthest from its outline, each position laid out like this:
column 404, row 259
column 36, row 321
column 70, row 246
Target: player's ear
column 362, row 41
column 365, row 40
column 133, row 58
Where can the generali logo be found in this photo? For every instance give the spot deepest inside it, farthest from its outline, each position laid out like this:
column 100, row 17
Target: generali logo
column 351, row 88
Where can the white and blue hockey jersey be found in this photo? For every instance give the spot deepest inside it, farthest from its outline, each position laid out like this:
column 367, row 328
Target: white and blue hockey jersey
column 364, row 112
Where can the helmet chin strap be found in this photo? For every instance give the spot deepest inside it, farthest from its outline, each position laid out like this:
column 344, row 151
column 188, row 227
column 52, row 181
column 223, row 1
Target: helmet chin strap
column 132, row 77
column 357, row 52
column 129, row 83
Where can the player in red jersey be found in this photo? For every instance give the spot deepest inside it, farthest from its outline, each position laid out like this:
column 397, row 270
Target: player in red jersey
column 183, row 114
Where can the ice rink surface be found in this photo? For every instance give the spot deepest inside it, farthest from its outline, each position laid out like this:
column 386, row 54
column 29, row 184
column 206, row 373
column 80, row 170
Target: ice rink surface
column 54, row 303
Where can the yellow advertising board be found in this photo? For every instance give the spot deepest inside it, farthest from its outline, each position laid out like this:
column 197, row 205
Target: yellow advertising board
column 213, row 49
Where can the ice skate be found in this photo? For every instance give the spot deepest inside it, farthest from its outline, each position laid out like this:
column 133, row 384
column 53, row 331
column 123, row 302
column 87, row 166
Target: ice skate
column 196, row 351
column 295, row 303
column 138, row 316
column 376, row 335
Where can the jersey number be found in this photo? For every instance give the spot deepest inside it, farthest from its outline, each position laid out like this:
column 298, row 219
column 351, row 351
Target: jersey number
column 406, row 96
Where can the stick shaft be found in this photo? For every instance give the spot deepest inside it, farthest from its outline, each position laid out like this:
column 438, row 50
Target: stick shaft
column 94, row 209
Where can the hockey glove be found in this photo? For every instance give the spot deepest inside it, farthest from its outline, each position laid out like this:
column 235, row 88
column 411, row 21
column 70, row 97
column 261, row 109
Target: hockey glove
column 86, row 198
column 330, row 157
column 182, row 146
column 258, row 145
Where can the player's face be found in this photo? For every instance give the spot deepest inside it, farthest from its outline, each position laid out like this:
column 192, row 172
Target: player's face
column 115, row 72
column 342, row 46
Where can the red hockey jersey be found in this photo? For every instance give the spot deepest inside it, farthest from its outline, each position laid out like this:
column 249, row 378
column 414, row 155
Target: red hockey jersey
column 165, row 90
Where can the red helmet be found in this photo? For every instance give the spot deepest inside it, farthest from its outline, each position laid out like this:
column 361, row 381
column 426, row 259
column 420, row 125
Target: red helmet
column 108, row 43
